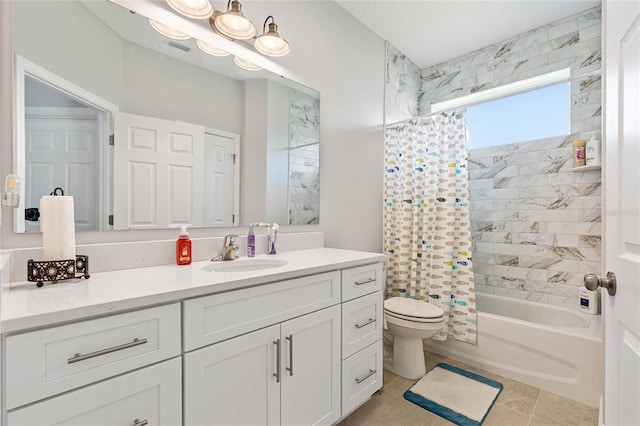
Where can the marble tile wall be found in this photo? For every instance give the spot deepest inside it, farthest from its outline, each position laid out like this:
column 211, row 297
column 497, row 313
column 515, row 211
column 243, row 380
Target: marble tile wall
column 402, row 87
column 536, row 224
column 304, row 159
column 573, row 42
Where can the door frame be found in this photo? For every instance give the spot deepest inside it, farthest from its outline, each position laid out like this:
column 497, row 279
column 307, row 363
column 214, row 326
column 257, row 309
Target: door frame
column 236, row 169
column 25, row 68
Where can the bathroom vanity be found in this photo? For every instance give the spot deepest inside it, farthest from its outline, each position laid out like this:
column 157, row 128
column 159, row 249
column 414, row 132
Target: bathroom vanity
column 294, row 344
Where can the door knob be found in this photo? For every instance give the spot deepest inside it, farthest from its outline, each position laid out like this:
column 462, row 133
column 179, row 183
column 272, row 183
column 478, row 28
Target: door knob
column 592, row 282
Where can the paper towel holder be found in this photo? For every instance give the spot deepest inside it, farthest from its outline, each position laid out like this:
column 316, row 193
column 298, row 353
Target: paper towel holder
column 57, row 270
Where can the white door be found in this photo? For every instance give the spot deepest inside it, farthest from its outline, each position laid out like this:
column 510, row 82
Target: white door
column 219, row 179
column 62, row 151
column 233, row 382
column 158, row 172
column 311, row 369
column 622, row 210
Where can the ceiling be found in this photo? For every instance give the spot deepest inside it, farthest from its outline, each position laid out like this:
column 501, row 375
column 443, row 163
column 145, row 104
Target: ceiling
column 430, row 32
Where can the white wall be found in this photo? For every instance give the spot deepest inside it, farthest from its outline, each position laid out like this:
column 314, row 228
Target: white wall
column 336, row 55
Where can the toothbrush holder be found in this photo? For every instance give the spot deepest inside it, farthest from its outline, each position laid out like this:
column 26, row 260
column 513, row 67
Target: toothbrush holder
column 271, row 242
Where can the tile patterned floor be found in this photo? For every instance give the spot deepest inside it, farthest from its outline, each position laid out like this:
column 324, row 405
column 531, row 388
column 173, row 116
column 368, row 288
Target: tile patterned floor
column 518, row 404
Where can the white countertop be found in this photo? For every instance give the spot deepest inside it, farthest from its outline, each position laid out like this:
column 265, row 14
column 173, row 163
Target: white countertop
column 24, row 306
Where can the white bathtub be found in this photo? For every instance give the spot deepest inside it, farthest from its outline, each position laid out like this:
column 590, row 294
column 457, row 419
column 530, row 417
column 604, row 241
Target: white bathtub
column 556, row 349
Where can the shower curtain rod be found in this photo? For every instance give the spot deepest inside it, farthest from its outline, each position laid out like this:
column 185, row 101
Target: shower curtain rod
column 415, row 117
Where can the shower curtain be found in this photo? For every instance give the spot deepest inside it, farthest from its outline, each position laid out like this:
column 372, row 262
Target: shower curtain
column 427, row 234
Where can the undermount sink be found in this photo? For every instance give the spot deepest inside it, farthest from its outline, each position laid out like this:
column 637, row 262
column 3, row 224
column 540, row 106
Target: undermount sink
column 244, row 265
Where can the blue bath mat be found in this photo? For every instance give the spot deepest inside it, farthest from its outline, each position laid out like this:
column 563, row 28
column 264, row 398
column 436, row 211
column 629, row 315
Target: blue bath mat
column 459, row 396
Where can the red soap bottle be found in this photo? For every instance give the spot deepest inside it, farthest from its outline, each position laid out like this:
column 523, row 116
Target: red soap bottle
column 183, row 248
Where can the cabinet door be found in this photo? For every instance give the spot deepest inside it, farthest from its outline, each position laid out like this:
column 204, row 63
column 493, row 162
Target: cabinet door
column 150, row 396
column 233, row 382
column 310, row 389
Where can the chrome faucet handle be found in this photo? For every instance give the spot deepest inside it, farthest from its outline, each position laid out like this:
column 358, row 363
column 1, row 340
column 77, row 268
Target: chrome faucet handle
column 230, row 240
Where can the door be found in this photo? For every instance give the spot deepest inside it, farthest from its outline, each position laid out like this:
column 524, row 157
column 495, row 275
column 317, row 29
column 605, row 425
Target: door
column 311, row 369
column 158, row 173
column 233, row 382
column 621, row 215
column 219, row 179
column 62, row 151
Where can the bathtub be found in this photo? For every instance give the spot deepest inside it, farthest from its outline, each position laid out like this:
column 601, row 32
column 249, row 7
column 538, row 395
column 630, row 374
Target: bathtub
column 552, row 348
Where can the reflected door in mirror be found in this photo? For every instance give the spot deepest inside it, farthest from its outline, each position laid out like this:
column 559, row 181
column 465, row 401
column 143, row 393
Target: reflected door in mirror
column 62, row 151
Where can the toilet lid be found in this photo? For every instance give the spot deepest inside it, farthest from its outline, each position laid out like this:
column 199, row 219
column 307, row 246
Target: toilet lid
column 407, row 307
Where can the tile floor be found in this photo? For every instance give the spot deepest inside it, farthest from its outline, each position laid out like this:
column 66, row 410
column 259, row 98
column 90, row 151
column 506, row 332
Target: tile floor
column 518, row 404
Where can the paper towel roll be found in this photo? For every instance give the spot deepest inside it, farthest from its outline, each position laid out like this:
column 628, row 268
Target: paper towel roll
column 57, row 224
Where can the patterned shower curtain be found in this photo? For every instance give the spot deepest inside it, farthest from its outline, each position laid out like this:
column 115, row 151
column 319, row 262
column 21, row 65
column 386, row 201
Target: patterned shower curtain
column 427, row 236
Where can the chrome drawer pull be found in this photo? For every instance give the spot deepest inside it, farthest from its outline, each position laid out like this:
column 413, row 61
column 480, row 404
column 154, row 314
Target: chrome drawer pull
column 371, row 373
column 370, row 280
column 290, row 368
column 78, row 357
column 277, row 373
column 366, row 323
column 137, row 422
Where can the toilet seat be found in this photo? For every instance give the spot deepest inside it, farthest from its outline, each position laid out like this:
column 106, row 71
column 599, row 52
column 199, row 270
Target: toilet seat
column 412, row 310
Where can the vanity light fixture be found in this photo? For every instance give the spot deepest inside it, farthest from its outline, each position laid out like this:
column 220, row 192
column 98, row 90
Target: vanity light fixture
column 168, row 31
column 246, row 65
column 270, row 43
column 196, row 9
column 210, row 49
column 232, row 24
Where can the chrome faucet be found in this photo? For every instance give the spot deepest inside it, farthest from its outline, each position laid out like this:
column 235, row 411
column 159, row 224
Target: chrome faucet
column 229, row 248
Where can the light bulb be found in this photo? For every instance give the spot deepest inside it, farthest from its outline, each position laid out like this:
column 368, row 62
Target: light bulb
column 195, row 9
column 11, row 195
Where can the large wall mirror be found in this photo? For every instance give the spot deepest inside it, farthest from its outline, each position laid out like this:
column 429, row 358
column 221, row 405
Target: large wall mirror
column 147, row 132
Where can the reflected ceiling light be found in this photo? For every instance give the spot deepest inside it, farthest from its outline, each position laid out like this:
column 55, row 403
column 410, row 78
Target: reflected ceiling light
column 232, row 23
column 168, row 31
column 210, row 49
column 246, row 65
column 196, row 9
column 270, row 43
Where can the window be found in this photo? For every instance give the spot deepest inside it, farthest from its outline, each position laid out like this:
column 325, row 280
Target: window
column 517, row 112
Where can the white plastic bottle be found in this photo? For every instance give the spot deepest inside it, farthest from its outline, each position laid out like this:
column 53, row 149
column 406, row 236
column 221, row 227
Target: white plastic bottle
column 589, row 301
column 593, row 152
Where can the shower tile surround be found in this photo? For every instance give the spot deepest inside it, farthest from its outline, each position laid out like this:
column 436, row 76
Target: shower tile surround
column 536, row 224
column 304, row 159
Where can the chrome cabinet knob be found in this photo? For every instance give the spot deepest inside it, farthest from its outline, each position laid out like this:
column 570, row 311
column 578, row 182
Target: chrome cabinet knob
column 592, row 282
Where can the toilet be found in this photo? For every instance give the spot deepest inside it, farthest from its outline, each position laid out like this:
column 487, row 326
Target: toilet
column 410, row 321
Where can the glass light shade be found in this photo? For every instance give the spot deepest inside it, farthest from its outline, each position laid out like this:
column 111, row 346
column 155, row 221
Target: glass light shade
column 246, row 65
column 195, row 9
column 271, row 45
column 168, row 31
column 234, row 24
column 210, row 49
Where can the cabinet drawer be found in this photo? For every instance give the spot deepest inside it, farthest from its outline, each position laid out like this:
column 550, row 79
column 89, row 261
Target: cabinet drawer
column 47, row 362
column 361, row 323
column 152, row 395
column 363, row 280
column 361, row 376
column 218, row 317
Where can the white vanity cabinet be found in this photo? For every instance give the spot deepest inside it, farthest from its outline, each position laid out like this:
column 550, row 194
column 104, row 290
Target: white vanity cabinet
column 149, row 396
column 302, row 347
column 286, row 373
column 68, row 362
column 362, row 323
